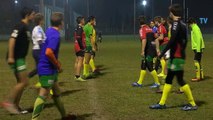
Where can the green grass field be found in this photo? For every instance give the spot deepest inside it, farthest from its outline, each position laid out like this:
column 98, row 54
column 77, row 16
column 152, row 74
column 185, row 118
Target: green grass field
column 110, row 96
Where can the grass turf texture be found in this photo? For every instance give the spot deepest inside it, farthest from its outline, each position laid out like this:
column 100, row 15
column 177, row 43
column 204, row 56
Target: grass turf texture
column 110, row 96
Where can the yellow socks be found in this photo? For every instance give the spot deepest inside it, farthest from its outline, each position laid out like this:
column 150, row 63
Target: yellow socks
column 155, row 76
column 163, row 63
column 92, row 64
column 202, row 74
column 186, row 89
column 86, row 69
column 167, row 88
column 142, row 75
column 197, row 65
column 38, row 107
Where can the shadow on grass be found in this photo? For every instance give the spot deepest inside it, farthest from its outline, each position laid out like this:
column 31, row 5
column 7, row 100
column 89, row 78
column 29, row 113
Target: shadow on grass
column 199, row 104
column 83, row 116
column 49, row 105
column 102, row 74
column 101, row 67
column 207, row 78
column 63, row 83
column 68, row 92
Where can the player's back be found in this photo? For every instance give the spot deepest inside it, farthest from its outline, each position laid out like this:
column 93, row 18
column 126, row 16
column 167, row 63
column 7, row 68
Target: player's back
column 147, row 33
column 37, row 35
column 79, row 37
column 180, row 32
column 22, row 35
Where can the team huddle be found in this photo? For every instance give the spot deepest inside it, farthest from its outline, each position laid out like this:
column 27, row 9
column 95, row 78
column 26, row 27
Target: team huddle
column 163, row 45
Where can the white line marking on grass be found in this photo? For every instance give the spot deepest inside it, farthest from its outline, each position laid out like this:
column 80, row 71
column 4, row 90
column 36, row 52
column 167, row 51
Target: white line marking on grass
column 93, row 99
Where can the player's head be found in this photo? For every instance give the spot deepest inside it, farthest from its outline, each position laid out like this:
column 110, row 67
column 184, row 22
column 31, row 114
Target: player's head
column 27, row 13
column 142, row 20
column 169, row 21
column 175, row 11
column 57, row 20
column 151, row 24
column 191, row 21
column 92, row 20
column 80, row 20
column 158, row 20
column 163, row 20
column 39, row 19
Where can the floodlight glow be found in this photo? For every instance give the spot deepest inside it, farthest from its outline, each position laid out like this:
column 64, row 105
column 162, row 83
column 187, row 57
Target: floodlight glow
column 16, row 1
column 144, row 2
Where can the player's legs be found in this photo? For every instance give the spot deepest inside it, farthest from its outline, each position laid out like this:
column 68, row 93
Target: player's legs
column 166, row 90
column 87, row 58
column 86, row 64
column 78, row 65
column 153, row 72
column 187, row 91
column 18, row 98
column 167, row 87
column 142, row 74
column 39, row 103
column 167, row 56
column 197, row 63
column 92, row 62
column 47, row 82
column 12, row 103
column 163, row 63
column 36, row 56
column 57, row 99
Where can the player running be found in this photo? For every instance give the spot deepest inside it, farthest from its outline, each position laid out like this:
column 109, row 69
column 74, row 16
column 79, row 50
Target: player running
column 90, row 45
column 177, row 46
column 38, row 38
column 149, row 50
column 197, row 46
column 17, row 52
column 49, row 67
column 80, row 46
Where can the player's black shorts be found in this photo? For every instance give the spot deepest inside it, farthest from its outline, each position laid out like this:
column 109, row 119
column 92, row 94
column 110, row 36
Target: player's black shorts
column 80, row 53
column 93, row 53
column 197, row 56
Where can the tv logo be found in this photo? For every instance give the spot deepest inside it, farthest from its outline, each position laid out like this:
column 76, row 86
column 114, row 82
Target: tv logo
column 204, row 20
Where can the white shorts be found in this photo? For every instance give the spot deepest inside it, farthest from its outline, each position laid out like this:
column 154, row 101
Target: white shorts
column 167, row 54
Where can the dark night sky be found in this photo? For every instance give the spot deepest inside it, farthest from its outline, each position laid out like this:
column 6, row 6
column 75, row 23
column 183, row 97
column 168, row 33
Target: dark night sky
column 116, row 16
column 116, row 12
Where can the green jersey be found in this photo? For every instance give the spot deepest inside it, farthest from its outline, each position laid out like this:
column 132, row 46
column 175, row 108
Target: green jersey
column 197, row 38
column 88, row 29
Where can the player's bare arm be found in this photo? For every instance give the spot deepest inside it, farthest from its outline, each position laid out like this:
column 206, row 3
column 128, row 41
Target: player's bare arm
column 11, row 59
column 50, row 54
column 143, row 46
